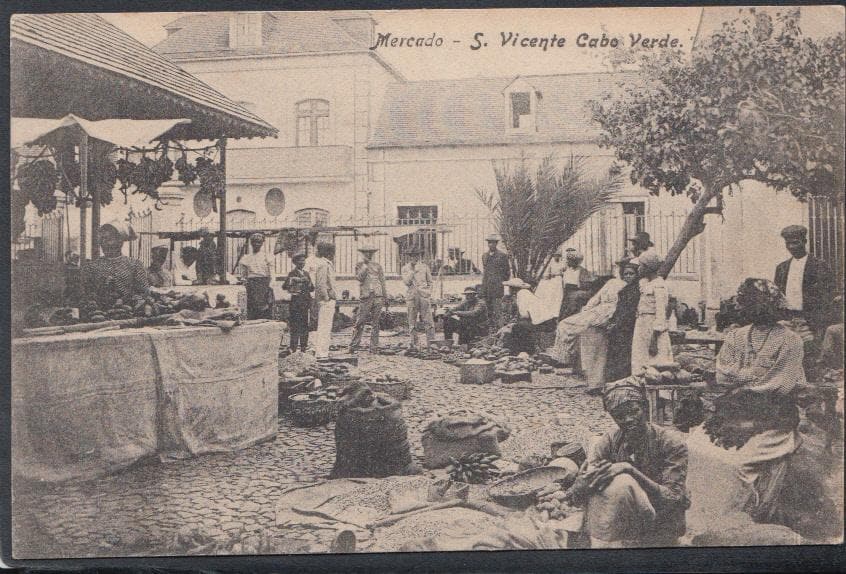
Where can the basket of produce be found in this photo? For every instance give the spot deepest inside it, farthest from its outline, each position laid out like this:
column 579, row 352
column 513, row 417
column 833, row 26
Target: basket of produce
column 391, row 386
column 313, row 409
column 519, row 490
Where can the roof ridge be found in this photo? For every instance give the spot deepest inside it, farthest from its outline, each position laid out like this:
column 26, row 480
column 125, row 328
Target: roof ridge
column 514, row 77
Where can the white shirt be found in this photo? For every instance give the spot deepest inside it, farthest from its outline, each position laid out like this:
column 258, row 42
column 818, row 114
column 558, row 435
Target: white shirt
column 255, row 265
column 793, row 289
column 184, row 274
column 572, row 276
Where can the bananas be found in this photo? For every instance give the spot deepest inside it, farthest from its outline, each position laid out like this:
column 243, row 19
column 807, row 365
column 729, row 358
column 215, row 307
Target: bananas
column 475, row 468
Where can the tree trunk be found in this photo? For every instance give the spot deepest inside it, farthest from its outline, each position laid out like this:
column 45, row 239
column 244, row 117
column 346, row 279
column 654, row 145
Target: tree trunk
column 693, row 226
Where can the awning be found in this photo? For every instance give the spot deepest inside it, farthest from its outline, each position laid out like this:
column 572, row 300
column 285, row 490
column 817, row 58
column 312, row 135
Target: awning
column 121, row 133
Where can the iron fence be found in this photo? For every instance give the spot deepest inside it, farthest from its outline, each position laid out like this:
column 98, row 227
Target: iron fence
column 825, row 225
column 43, row 239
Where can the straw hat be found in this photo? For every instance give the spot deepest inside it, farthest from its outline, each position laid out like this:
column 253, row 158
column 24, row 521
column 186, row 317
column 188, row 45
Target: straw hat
column 470, row 290
column 368, row 249
column 517, row 283
column 492, row 237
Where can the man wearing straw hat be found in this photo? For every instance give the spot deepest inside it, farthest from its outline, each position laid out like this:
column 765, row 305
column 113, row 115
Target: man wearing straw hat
column 496, row 271
column 418, row 279
column 467, row 319
column 371, row 279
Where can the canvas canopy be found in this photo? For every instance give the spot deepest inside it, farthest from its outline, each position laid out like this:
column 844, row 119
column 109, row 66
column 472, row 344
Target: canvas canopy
column 119, row 132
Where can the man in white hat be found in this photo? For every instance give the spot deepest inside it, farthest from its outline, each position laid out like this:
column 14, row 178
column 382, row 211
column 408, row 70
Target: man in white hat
column 371, row 279
column 418, row 279
column 496, row 270
column 519, row 334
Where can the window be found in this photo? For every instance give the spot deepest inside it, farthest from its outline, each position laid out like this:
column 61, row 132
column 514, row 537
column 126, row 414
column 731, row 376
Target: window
column 417, row 214
column 240, row 218
column 312, row 122
column 312, row 217
column 521, row 105
column 274, row 202
column 634, row 213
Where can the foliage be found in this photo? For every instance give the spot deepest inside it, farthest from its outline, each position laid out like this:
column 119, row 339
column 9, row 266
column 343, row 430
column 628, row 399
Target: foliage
column 535, row 213
column 37, row 181
column 758, row 100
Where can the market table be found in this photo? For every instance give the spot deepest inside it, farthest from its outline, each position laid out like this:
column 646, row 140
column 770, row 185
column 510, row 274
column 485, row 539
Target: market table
column 87, row 404
column 235, row 294
column 708, row 338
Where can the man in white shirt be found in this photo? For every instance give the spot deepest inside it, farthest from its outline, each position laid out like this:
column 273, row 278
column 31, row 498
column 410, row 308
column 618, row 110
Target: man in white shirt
column 417, row 277
column 324, row 294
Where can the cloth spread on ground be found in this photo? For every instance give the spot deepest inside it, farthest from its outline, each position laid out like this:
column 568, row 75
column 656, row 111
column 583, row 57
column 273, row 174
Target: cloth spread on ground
column 218, row 393
column 225, row 319
column 88, row 404
column 377, row 511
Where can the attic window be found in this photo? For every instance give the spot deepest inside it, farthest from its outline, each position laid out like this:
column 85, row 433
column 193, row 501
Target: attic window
column 521, row 107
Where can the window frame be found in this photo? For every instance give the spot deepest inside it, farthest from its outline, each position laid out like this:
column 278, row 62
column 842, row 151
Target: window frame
column 312, row 212
column 313, row 113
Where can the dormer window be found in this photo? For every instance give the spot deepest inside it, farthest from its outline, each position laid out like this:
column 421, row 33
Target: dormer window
column 521, row 101
column 521, row 108
column 245, row 30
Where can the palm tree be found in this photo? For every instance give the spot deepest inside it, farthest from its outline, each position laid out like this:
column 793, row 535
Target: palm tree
column 536, row 213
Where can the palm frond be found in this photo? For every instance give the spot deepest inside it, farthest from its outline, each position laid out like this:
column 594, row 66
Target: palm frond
column 536, row 211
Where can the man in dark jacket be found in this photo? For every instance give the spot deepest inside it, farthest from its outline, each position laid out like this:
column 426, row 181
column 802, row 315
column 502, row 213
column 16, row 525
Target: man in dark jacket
column 805, row 281
column 496, row 272
column 467, row 319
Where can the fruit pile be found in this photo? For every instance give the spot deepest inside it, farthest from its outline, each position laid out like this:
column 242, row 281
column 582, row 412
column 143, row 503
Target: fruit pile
column 668, row 374
column 553, row 503
column 521, row 363
column 150, row 305
column 475, row 468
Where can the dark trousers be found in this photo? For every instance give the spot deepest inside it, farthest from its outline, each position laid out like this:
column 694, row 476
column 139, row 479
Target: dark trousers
column 298, row 322
column 468, row 330
column 369, row 311
column 522, row 337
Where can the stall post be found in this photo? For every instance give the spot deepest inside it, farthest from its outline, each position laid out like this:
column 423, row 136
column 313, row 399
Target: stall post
column 83, row 199
column 94, row 192
column 221, row 236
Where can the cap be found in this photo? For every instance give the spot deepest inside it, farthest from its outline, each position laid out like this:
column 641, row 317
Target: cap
column 795, row 232
column 470, row 290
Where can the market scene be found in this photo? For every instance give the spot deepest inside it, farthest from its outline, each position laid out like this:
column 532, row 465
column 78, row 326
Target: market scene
column 274, row 294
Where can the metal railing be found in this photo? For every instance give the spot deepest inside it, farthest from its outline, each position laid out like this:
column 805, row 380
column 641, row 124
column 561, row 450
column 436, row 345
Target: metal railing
column 825, row 226
column 43, row 239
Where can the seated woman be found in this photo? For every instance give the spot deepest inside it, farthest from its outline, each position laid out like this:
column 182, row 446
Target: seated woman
column 114, row 275
column 595, row 315
column 633, row 481
column 761, row 364
column 185, row 266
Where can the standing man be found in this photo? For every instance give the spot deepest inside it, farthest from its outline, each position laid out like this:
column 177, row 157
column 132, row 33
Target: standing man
column 496, row 272
column 808, row 289
column 299, row 285
column 324, row 294
column 371, row 279
column 418, row 279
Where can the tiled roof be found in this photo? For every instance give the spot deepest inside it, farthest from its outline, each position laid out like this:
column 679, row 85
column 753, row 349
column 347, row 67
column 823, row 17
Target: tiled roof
column 89, row 39
column 474, row 111
column 207, row 35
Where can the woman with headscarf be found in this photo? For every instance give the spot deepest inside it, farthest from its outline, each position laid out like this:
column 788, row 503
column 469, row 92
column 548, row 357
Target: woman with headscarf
column 621, row 325
column 761, row 364
column 633, row 481
column 651, row 338
column 576, row 282
column 256, row 271
column 114, row 275
column 593, row 318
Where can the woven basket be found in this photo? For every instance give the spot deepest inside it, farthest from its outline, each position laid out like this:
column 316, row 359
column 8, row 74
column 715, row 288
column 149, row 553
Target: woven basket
column 308, row 412
column 399, row 390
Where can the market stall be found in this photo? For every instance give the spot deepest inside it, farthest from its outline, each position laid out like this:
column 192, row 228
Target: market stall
column 87, row 404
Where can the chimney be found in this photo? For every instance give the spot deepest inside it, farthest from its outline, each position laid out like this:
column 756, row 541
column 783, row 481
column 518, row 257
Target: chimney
column 245, row 30
column 359, row 25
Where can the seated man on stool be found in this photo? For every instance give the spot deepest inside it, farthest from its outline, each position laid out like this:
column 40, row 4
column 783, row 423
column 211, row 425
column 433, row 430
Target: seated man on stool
column 633, row 480
column 518, row 335
column 469, row 319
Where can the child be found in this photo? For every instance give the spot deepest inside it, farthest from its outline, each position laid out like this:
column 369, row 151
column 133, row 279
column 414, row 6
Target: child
column 299, row 284
column 651, row 337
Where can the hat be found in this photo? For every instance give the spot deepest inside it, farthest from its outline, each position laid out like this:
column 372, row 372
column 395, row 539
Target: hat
column 413, row 250
column 256, row 236
column 470, row 290
column 492, row 237
column 642, row 238
column 298, row 256
column 368, row 249
column 160, row 248
column 123, row 229
column 795, row 232
column 616, row 393
column 649, row 261
column 761, row 296
column 517, row 283
column 627, row 262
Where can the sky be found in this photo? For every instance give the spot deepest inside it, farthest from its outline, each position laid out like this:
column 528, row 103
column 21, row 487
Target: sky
column 456, row 59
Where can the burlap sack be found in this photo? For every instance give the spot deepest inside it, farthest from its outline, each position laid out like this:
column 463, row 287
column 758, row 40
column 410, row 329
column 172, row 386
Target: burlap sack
column 460, row 433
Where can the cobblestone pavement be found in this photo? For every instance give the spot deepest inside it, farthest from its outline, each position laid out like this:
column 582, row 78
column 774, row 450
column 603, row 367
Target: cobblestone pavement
column 228, row 497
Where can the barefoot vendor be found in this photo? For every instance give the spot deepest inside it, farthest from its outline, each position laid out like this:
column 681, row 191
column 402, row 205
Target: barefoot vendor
column 256, row 272
column 114, row 275
column 633, row 481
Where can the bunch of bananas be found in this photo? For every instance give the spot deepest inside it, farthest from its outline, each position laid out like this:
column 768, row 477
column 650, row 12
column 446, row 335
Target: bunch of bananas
column 475, row 468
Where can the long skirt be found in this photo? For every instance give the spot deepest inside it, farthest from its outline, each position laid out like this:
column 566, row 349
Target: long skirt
column 593, row 348
column 640, row 345
column 259, row 298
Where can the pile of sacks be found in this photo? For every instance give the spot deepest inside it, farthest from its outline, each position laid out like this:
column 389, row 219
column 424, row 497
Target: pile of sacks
column 461, row 433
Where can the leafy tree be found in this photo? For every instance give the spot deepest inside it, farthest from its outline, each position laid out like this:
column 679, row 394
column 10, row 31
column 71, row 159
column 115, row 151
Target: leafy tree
column 757, row 101
column 535, row 213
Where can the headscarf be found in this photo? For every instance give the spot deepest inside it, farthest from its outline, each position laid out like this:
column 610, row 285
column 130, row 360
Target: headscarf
column 760, row 295
column 649, row 262
column 616, row 393
column 255, row 236
column 574, row 257
column 123, row 229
